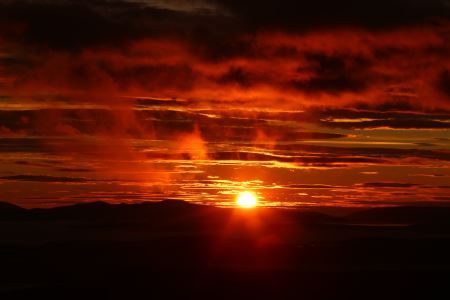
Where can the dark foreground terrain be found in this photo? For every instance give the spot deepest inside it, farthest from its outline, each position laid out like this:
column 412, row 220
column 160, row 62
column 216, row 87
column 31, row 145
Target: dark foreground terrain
column 175, row 250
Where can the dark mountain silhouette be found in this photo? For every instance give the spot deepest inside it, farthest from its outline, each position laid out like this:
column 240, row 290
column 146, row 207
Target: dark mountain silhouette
column 148, row 211
column 8, row 207
column 96, row 211
column 311, row 217
column 86, row 211
column 10, row 211
column 178, row 250
column 170, row 209
column 404, row 214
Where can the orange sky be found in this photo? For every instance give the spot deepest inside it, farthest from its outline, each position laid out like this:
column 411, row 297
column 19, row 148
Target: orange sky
column 144, row 101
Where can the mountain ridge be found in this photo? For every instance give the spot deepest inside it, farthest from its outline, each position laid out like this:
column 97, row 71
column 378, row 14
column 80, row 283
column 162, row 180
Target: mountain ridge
column 165, row 209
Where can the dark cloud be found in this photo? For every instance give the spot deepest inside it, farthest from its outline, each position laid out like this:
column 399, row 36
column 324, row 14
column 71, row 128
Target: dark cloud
column 149, row 103
column 376, row 112
column 377, row 116
column 334, row 74
column 302, row 160
column 388, row 185
column 163, row 124
column 311, row 186
column 74, row 25
column 77, row 170
column 60, row 24
column 66, row 122
column 22, row 145
column 383, row 153
column 443, row 83
column 236, row 75
column 44, row 178
column 328, row 161
column 278, row 134
column 292, row 14
column 416, row 123
column 393, row 115
column 247, row 52
column 180, row 77
column 391, row 105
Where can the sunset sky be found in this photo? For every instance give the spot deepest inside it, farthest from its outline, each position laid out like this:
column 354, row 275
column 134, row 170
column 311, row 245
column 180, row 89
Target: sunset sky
column 306, row 103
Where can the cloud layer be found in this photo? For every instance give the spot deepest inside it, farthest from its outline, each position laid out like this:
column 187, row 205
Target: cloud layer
column 194, row 100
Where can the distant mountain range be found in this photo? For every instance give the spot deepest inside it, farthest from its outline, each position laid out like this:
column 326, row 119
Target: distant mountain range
column 169, row 209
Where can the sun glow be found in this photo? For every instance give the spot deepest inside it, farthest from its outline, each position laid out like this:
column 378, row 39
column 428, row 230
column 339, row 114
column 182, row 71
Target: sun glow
column 246, row 199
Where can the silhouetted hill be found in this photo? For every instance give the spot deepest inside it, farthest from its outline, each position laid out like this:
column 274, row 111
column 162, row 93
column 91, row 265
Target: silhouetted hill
column 82, row 211
column 311, row 217
column 170, row 210
column 156, row 212
column 102, row 211
column 181, row 250
column 10, row 211
column 403, row 214
column 6, row 206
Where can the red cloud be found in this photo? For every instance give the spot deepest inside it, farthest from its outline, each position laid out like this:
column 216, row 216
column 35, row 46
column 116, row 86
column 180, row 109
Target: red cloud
column 292, row 70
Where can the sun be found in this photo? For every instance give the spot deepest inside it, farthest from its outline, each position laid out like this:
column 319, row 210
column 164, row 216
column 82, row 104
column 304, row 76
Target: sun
column 246, row 199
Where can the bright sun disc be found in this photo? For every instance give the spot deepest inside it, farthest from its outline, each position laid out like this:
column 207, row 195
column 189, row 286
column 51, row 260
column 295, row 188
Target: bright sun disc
column 246, row 199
